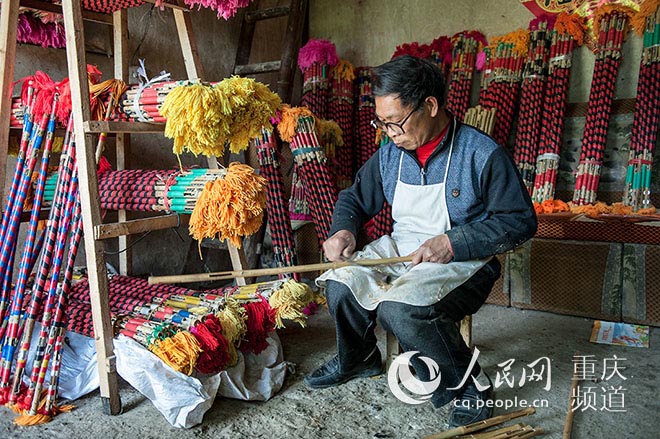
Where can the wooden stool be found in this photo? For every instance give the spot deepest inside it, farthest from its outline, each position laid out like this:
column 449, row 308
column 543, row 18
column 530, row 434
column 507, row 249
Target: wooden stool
column 394, row 349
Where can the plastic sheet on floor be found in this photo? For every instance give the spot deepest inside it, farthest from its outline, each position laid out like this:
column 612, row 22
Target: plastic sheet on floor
column 182, row 400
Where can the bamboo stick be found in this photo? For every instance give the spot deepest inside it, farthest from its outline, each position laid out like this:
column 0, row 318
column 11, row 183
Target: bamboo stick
column 477, row 426
column 568, row 424
column 225, row 275
column 505, row 432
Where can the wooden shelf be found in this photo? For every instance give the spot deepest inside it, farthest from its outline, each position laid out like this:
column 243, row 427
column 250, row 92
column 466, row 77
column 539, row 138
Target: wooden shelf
column 100, row 126
column 132, row 227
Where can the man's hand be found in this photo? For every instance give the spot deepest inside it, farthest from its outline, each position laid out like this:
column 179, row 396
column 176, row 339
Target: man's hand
column 437, row 249
column 339, row 246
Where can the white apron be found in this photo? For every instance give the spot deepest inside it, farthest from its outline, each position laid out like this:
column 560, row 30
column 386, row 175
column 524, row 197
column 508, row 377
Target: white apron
column 420, row 213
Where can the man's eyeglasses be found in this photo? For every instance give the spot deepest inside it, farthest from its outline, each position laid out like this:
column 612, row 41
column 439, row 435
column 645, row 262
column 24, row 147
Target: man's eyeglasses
column 393, row 127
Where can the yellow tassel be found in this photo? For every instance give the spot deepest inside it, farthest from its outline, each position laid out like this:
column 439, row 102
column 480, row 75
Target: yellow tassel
column 289, row 302
column 247, row 106
column 232, row 318
column 194, row 117
column 204, row 119
column 330, row 136
column 180, row 352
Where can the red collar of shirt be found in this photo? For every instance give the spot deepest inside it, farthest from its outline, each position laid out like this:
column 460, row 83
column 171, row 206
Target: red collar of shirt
column 424, row 151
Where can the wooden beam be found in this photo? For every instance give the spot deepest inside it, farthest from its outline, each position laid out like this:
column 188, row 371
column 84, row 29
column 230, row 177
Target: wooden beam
column 8, row 29
column 91, row 212
column 96, row 17
column 191, row 57
column 255, row 69
column 245, row 38
column 123, row 140
column 290, row 52
column 266, row 14
column 239, row 262
column 103, row 126
column 176, row 6
column 113, row 230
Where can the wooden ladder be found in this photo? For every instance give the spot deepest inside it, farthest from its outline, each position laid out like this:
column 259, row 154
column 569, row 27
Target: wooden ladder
column 286, row 66
column 84, row 130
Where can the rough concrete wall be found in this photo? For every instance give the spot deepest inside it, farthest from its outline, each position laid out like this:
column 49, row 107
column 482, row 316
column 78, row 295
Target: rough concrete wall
column 367, row 32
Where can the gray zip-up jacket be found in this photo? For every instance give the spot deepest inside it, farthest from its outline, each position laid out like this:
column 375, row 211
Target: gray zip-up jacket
column 489, row 207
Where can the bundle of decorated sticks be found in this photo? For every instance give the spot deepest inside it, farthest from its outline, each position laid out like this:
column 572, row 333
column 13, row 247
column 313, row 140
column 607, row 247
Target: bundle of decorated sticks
column 149, row 190
column 284, row 244
column 365, row 135
column 500, row 83
column 531, row 99
column 610, row 24
column 315, row 60
column 466, row 45
column 340, row 109
column 297, row 126
column 568, row 32
column 647, row 110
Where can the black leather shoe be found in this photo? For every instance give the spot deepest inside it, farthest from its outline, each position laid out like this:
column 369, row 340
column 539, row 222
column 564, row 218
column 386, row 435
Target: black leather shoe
column 329, row 374
column 471, row 405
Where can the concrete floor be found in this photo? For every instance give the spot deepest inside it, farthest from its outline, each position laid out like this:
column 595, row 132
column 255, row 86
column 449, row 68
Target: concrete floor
column 365, row 408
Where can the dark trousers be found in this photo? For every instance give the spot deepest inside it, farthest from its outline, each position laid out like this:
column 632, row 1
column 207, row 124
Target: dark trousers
column 432, row 330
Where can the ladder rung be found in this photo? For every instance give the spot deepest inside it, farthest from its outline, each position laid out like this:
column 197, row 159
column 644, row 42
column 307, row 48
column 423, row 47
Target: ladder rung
column 264, row 67
column 113, row 230
column 102, row 126
column 265, row 14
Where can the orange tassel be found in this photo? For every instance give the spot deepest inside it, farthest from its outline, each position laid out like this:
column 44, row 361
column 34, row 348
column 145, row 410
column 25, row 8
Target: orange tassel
column 571, row 24
column 638, row 20
column 289, row 121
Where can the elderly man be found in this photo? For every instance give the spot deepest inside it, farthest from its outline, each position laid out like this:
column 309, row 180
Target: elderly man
column 457, row 200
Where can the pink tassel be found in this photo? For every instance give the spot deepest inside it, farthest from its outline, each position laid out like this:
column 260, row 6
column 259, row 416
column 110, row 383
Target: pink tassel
column 225, row 8
column 481, row 60
column 317, row 51
column 32, row 30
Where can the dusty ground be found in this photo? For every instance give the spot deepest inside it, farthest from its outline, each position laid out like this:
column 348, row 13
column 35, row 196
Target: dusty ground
column 366, row 408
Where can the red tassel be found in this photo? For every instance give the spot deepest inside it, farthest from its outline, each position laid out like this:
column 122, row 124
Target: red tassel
column 104, row 166
column 214, row 356
column 260, row 322
column 4, row 396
